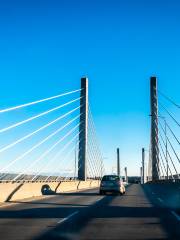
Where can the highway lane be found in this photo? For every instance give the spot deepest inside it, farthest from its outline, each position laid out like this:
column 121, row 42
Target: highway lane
column 133, row 216
column 28, row 219
column 166, row 196
column 86, row 215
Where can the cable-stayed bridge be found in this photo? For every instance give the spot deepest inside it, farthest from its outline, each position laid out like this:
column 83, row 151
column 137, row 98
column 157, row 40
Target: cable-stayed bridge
column 57, row 142
column 163, row 154
column 50, row 146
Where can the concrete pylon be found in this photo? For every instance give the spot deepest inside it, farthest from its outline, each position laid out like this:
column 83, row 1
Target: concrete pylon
column 83, row 130
column 154, row 128
column 141, row 174
column 143, row 159
column 126, row 177
column 118, row 163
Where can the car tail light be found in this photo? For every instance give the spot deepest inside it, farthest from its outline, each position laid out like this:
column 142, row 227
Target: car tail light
column 119, row 183
column 102, row 184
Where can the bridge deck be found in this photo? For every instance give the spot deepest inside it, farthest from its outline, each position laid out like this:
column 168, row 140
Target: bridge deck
column 86, row 215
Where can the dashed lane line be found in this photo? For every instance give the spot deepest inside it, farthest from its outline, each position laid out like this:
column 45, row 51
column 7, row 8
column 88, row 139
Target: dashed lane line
column 160, row 199
column 175, row 215
column 73, row 214
column 68, row 217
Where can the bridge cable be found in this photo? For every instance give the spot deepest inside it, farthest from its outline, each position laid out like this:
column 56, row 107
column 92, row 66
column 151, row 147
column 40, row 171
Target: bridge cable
column 37, row 130
column 173, row 118
column 55, row 157
column 98, row 152
column 39, row 115
column 169, row 99
column 38, row 101
column 165, row 157
column 161, row 171
column 94, row 153
column 170, row 143
column 39, row 144
column 47, row 152
column 91, row 143
column 169, row 155
column 162, row 165
column 66, row 156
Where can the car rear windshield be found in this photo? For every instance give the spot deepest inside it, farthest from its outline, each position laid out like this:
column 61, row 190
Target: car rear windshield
column 110, row 178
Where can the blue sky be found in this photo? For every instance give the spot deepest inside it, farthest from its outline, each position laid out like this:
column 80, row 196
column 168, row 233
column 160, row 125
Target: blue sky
column 46, row 46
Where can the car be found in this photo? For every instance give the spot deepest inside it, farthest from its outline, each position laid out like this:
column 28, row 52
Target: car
column 111, row 183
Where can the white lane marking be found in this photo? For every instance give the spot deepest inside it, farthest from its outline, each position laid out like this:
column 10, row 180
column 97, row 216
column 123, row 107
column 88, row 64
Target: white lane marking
column 68, row 217
column 160, row 199
column 71, row 215
column 176, row 215
column 98, row 200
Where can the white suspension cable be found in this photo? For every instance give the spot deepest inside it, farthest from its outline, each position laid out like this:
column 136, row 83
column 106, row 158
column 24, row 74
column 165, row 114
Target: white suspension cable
column 46, row 152
column 52, row 159
column 38, row 144
column 36, row 131
column 92, row 154
column 61, row 165
column 71, row 171
column 92, row 167
column 38, row 101
column 95, row 162
column 37, row 116
column 97, row 152
column 95, row 142
column 93, row 128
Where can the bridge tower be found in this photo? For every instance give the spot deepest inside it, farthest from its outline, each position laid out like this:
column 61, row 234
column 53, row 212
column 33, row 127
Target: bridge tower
column 83, row 130
column 154, row 129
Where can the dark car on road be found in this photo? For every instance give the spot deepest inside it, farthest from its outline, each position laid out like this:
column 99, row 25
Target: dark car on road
column 111, row 183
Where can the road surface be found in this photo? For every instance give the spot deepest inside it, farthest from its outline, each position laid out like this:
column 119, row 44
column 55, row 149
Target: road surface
column 140, row 214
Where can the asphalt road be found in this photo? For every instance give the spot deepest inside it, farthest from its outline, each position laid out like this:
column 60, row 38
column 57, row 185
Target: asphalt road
column 85, row 215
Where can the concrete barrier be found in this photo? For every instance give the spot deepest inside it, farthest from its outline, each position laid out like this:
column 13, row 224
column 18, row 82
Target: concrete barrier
column 8, row 189
column 15, row 191
column 67, row 186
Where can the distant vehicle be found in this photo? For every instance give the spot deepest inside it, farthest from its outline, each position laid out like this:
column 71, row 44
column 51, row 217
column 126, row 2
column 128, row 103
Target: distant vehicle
column 111, row 183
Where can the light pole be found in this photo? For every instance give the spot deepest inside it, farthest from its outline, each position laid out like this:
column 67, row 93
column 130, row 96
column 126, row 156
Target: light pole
column 144, row 166
column 143, row 159
column 118, row 163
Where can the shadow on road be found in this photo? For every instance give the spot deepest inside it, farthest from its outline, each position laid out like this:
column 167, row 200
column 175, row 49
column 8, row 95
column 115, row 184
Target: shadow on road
column 169, row 223
column 109, row 207
column 105, row 210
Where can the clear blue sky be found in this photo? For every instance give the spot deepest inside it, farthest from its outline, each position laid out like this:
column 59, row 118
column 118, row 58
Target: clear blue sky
column 46, row 46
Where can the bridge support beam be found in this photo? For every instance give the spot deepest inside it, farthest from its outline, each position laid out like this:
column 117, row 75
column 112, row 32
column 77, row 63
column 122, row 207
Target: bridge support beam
column 154, row 129
column 83, row 129
column 118, row 163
